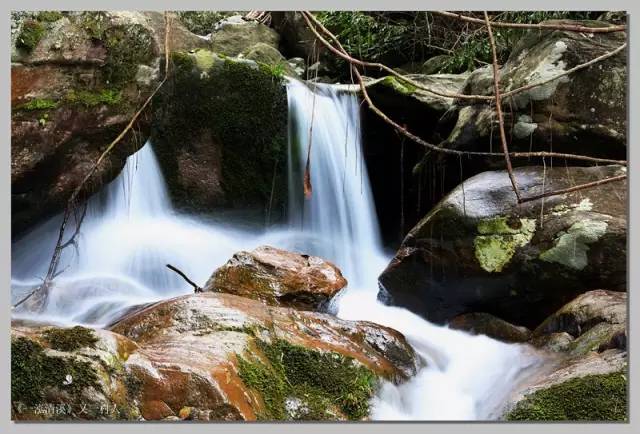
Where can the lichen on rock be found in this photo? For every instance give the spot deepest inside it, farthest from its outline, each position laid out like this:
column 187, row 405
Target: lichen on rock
column 497, row 241
column 571, row 247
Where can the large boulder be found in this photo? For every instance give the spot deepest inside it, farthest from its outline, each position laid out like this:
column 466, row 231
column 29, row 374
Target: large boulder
column 206, row 357
column 581, row 113
column 220, row 133
column 479, row 251
column 278, row 277
column 76, row 81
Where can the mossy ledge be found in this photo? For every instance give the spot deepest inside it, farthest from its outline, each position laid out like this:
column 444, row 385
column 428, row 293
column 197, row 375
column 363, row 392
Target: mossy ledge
column 70, row 339
column 593, row 397
column 242, row 106
column 33, row 372
column 297, row 383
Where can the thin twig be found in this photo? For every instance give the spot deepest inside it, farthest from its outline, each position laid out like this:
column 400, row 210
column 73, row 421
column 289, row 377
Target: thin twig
column 539, row 26
column 496, row 91
column 196, row 288
column 574, row 188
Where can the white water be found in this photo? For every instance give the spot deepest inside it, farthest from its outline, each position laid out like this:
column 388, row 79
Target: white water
column 131, row 231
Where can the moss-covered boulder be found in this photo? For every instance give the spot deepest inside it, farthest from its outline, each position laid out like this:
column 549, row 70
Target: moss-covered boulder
column 74, row 88
column 489, row 325
column 233, row 35
column 220, row 133
column 591, row 388
column 479, row 251
column 595, row 321
column 278, row 277
column 224, row 357
column 581, row 113
column 72, row 373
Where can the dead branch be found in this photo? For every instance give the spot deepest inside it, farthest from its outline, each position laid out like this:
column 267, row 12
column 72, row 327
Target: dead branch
column 496, row 91
column 312, row 23
column 539, row 26
column 42, row 290
column 574, row 188
column 196, row 288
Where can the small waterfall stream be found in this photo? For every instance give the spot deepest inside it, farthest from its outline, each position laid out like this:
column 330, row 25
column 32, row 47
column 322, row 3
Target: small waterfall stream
column 131, row 231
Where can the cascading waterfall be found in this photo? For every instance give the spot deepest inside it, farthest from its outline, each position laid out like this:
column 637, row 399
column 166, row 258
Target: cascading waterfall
column 131, row 231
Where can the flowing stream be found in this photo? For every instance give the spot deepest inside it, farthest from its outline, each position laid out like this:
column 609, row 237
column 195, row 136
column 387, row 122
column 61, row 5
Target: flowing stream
column 131, row 231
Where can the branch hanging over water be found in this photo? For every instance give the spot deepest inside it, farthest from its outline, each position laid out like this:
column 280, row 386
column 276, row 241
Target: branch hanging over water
column 196, row 288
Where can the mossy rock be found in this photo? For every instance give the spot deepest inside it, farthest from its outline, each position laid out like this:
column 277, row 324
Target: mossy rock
column 588, row 398
column 231, row 114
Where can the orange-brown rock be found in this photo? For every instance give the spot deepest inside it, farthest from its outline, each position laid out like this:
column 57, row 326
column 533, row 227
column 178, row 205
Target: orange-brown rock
column 211, row 356
column 278, row 277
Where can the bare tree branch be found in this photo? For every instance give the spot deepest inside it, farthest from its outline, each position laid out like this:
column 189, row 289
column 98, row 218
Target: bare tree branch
column 574, row 188
column 496, row 91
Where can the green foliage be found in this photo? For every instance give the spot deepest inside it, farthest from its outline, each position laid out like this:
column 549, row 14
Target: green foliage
column 94, row 98
column 396, row 38
column 277, row 70
column 33, row 371
column 49, row 16
column 30, row 34
column 321, row 381
column 38, row 104
column 70, row 339
column 594, row 397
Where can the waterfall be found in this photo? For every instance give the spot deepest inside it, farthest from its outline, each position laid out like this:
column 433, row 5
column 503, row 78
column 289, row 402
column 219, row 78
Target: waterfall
column 131, row 231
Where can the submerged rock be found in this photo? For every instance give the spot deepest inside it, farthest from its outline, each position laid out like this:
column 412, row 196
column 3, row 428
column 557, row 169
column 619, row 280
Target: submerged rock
column 278, row 277
column 207, row 357
column 479, row 251
column 487, row 324
column 581, row 113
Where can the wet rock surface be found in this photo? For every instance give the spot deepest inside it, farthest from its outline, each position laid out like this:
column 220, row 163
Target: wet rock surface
column 489, row 325
column 208, row 357
column 478, row 251
column 278, row 277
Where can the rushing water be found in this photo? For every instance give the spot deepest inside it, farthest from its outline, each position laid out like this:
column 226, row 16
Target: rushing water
column 130, row 232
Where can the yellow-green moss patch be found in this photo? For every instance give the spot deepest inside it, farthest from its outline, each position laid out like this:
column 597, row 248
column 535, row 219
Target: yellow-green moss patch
column 70, row 339
column 498, row 240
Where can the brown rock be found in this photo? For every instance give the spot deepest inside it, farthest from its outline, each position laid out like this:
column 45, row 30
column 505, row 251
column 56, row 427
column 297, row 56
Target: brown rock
column 279, row 278
column 494, row 327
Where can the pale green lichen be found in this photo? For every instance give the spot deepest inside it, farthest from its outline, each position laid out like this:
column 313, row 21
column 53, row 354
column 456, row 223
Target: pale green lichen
column 498, row 241
column 571, row 247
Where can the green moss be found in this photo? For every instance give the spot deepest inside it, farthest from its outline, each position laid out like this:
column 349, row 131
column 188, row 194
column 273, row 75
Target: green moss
column 127, row 48
column 30, row 34
column 38, row 104
column 243, row 108
column 321, row 382
column 571, row 247
column 33, row 371
column 94, row 98
column 400, row 87
column 49, row 16
column 70, row 339
column 498, row 241
column 594, row 397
